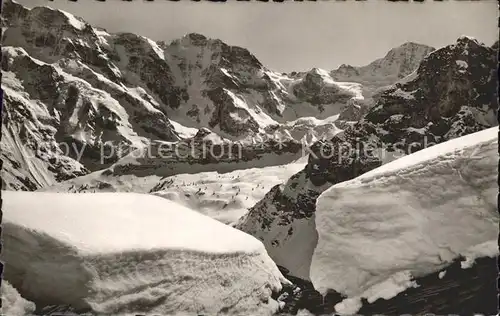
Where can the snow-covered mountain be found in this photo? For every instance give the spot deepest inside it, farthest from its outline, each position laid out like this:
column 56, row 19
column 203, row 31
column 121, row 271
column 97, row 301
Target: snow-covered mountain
column 451, row 94
column 129, row 254
column 398, row 63
column 76, row 93
column 89, row 111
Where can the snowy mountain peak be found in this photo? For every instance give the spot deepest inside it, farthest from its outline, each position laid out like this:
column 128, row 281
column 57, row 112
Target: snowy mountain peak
column 467, row 39
column 203, row 51
column 196, row 36
column 409, row 47
column 396, row 64
column 45, row 16
column 191, row 39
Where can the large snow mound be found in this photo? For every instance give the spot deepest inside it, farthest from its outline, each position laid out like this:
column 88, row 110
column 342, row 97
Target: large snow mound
column 407, row 219
column 13, row 304
column 124, row 253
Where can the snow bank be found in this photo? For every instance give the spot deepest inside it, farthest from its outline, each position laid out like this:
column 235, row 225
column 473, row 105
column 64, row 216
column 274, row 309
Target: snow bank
column 12, row 303
column 122, row 253
column 408, row 218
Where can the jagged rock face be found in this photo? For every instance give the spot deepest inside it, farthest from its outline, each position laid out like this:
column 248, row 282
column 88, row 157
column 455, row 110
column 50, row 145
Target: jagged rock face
column 48, row 35
column 65, row 89
column 228, row 116
column 231, row 91
column 82, row 115
column 30, row 153
column 143, row 62
column 352, row 112
column 495, row 46
column 446, row 99
column 122, row 58
column 316, row 89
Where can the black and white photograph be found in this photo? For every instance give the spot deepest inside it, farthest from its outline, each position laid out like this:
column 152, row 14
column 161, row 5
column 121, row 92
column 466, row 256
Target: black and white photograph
column 249, row 158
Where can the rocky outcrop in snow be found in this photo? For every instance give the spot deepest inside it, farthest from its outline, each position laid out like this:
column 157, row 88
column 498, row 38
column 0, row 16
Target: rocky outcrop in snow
column 440, row 102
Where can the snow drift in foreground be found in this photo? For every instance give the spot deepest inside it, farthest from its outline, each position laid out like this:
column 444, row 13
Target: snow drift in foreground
column 13, row 304
column 407, row 219
column 124, row 253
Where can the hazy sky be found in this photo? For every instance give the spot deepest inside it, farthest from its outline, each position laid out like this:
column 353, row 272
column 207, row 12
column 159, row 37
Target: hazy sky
column 297, row 35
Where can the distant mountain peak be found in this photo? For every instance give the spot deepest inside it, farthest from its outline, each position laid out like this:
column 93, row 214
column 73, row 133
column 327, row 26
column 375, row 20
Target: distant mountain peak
column 195, row 36
column 411, row 44
column 406, row 51
column 467, row 39
column 195, row 39
column 396, row 64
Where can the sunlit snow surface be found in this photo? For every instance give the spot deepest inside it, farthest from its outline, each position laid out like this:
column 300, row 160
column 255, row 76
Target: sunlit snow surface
column 124, row 253
column 13, row 304
column 408, row 218
column 227, row 196
column 74, row 21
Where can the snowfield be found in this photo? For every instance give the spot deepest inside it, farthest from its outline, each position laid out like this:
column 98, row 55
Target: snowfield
column 407, row 219
column 124, row 253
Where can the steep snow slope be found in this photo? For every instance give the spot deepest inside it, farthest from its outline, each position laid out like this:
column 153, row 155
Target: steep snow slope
column 406, row 219
column 144, row 254
column 13, row 304
column 228, row 196
column 440, row 102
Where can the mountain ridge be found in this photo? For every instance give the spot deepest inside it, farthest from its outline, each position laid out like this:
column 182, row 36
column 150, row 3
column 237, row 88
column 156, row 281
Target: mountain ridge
column 149, row 91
